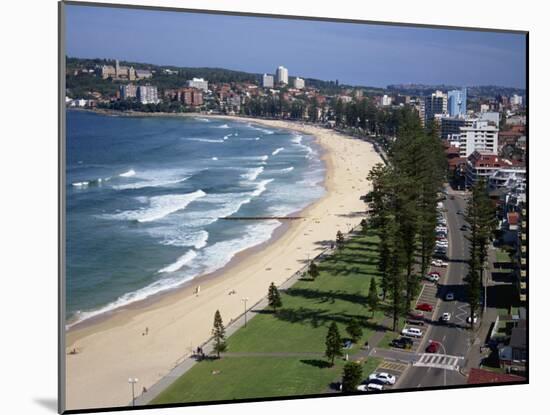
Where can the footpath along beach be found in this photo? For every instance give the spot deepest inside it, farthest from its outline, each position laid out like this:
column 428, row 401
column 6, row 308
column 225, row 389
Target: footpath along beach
column 146, row 340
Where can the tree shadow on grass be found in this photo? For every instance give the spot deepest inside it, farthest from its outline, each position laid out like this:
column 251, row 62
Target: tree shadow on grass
column 327, row 296
column 321, row 364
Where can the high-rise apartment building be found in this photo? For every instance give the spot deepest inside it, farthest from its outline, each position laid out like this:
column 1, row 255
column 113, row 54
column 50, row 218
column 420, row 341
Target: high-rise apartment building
column 147, row 94
column 281, row 75
column 198, row 83
column 456, row 102
column 434, row 104
column 481, row 136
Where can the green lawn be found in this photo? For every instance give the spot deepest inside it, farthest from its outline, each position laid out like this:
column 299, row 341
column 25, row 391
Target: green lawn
column 338, row 294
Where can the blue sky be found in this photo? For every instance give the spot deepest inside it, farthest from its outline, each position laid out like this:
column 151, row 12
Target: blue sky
column 356, row 54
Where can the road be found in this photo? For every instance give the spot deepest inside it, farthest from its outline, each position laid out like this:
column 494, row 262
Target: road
column 455, row 337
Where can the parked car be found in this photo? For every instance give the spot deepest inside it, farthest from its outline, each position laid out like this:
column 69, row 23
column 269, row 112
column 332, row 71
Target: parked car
column 416, row 314
column 362, row 388
column 464, row 228
column 411, row 332
column 445, row 317
column 432, row 277
column 450, row 296
column 374, row 387
column 402, row 343
column 424, row 307
column 439, row 263
column 382, row 377
column 459, row 212
column 433, row 347
column 415, row 321
column 347, row 344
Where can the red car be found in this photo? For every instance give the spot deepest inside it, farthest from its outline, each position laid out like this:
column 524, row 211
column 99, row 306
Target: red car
column 432, row 348
column 424, row 307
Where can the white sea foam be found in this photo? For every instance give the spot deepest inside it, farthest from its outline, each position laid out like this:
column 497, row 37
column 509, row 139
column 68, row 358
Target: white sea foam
column 223, row 126
column 252, row 174
column 202, row 119
column 81, row 184
column 206, row 140
column 263, row 130
column 297, row 139
column 277, row 151
column 159, row 207
column 181, row 261
column 149, row 183
column 128, row 173
column 182, row 237
column 287, row 170
column 214, row 158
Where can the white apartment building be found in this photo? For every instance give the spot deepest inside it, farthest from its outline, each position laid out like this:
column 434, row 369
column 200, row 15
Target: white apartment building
column 281, row 75
column 147, row 94
column 198, row 83
column 267, row 81
column 299, row 83
column 481, row 136
column 386, row 101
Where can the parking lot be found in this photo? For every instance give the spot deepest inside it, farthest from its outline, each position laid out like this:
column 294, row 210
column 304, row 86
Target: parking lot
column 393, row 368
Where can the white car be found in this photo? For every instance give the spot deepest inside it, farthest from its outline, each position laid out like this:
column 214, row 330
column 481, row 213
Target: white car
column 439, row 263
column 383, row 377
column 411, row 332
column 450, row 297
column 432, row 277
column 373, row 387
column 445, row 317
column 363, row 388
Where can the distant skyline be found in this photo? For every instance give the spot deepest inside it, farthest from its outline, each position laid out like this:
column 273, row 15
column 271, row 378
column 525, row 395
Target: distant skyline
column 355, row 54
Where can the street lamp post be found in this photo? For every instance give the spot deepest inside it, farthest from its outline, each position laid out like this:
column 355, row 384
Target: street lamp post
column 244, row 300
column 445, row 354
column 133, row 381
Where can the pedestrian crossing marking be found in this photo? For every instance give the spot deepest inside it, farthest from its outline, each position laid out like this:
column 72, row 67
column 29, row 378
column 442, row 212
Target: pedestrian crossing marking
column 439, row 361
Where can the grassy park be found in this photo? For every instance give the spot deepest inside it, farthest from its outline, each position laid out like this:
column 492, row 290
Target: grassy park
column 293, row 338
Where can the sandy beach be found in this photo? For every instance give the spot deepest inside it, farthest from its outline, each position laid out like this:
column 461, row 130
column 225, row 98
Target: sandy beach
column 112, row 349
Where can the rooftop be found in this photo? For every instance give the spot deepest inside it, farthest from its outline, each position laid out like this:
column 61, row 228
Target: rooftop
column 481, row 376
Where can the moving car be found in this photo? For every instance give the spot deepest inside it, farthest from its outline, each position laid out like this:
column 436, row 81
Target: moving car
column 382, row 377
column 450, row 297
column 445, row 317
column 433, row 347
column 411, row 332
column 424, row 307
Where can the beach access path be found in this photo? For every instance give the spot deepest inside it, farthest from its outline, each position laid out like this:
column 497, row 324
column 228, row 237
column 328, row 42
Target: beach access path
column 148, row 340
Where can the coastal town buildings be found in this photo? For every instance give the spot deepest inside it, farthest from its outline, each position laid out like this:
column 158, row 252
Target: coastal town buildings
column 119, row 72
column 128, row 91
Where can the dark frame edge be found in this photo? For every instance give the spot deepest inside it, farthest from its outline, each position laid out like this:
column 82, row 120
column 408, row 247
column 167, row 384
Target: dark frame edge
column 61, row 376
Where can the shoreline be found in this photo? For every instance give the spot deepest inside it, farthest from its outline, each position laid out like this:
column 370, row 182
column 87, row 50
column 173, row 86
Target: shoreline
column 178, row 320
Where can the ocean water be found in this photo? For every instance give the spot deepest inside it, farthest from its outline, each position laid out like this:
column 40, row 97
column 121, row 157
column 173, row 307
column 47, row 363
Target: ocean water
column 145, row 197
